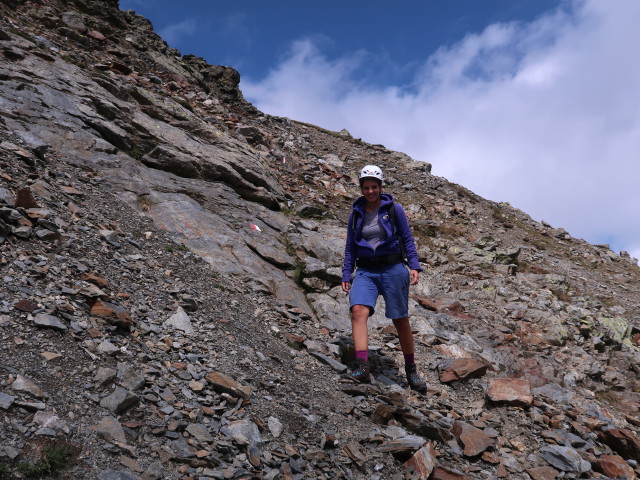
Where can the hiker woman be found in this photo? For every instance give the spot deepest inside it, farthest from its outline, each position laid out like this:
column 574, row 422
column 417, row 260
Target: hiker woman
column 378, row 238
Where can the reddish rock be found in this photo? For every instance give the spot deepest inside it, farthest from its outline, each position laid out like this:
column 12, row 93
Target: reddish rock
column 329, row 440
column 36, row 213
column 296, row 341
column 94, row 333
column 388, row 330
column 490, row 457
column 440, row 473
column 25, row 306
column 632, row 420
column 453, row 307
column 25, row 222
column 512, row 391
column 473, row 440
column 462, row 369
column 114, row 314
column 422, row 463
column 442, row 305
column 614, row 466
column 25, row 199
column 622, row 441
column 73, row 208
column 225, row 384
column 382, row 414
column 353, row 452
column 428, row 304
column 532, row 370
column 70, row 190
column 530, row 336
column 556, row 421
column 96, row 35
column 448, row 376
column 594, row 424
column 94, row 278
column 543, row 473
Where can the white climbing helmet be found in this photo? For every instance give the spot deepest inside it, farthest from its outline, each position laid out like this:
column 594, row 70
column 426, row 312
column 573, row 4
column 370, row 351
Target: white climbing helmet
column 370, row 171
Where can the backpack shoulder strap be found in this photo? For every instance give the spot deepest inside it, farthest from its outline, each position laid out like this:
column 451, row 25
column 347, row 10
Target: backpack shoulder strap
column 392, row 217
column 392, row 214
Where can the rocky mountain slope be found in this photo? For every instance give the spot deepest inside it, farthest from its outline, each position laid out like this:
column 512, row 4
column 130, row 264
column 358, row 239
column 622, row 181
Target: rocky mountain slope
column 170, row 304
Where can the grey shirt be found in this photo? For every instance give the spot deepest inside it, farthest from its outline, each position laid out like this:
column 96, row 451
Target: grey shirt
column 372, row 231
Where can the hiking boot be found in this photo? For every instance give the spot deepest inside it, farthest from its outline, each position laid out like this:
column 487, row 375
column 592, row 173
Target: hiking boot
column 415, row 380
column 360, row 371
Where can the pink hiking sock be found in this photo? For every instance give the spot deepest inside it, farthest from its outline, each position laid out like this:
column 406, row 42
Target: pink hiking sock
column 362, row 355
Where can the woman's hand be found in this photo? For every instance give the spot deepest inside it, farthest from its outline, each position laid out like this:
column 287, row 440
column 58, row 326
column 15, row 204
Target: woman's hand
column 346, row 286
column 414, row 277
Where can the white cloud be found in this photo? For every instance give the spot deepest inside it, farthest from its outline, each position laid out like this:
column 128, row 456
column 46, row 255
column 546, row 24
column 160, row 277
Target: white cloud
column 176, row 31
column 544, row 115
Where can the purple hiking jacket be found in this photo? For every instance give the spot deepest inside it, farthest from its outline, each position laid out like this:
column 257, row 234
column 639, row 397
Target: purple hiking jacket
column 357, row 247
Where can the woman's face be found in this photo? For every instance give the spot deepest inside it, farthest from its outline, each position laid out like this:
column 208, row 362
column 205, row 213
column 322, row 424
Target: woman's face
column 371, row 190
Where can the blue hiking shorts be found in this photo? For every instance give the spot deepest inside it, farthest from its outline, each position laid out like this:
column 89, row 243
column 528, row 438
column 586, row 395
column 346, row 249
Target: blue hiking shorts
column 390, row 281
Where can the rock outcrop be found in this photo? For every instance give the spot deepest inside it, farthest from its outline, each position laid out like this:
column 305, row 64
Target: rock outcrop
column 170, row 302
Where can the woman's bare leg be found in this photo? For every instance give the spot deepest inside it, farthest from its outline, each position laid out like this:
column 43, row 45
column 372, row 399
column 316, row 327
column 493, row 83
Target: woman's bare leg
column 405, row 335
column 359, row 332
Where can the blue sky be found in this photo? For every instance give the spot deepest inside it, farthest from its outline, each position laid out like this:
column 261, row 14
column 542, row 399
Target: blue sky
column 254, row 35
column 533, row 102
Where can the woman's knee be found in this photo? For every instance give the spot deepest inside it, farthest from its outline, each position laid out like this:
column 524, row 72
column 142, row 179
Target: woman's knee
column 360, row 313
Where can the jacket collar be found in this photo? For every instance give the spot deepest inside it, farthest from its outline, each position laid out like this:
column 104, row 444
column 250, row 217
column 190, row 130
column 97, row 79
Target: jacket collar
column 360, row 202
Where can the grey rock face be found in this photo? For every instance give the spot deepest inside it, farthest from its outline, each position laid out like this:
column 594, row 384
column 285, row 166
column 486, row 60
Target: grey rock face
column 565, row 458
column 120, row 400
column 51, row 421
column 180, row 321
column 116, row 475
column 26, row 385
column 109, row 429
column 337, row 366
column 200, row 432
column 51, row 321
column 275, row 427
column 129, row 378
column 243, row 431
column 6, row 400
column 74, row 21
column 7, row 197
